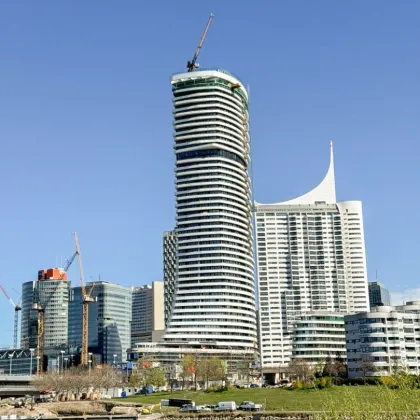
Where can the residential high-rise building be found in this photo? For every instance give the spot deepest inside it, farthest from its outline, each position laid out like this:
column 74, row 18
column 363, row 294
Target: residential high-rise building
column 109, row 327
column 213, row 300
column 383, row 341
column 148, row 318
column 169, row 270
column 51, row 291
column 310, row 257
column 378, row 294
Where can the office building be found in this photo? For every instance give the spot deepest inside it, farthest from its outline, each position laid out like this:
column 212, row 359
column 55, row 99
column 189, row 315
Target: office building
column 148, row 321
column 169, row 270
column 51, row 292
column 384, row 341
column 109, row 327
column 310, row 257
column 318, row 335
column 378, row 294
column 213, row 303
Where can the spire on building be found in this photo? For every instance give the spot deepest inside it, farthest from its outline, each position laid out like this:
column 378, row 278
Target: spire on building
column 325, row 191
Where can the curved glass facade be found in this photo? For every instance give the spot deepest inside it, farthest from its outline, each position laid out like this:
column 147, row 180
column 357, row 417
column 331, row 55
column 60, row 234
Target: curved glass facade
column 214, row 298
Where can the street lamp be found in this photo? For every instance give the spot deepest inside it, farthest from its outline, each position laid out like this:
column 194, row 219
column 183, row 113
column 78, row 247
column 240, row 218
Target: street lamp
column 10, row 366
column 32, row 354
column 62, row 364
column 90, row 361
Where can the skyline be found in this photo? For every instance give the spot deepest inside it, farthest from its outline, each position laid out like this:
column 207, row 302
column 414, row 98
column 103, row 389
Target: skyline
column 81, row 152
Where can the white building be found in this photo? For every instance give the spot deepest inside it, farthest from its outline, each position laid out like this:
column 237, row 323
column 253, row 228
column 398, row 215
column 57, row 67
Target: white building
column 384, row 340
column 214, row 296
column 147, row 307
column 318, row 335
column 169, row 271
column 310, row 257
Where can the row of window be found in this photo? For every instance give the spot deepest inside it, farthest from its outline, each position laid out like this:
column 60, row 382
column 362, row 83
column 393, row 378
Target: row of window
column 210, row 152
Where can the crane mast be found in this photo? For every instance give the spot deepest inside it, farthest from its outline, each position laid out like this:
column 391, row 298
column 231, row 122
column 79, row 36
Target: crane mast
column 86, row 300
column 192, row 65
column 17, row 308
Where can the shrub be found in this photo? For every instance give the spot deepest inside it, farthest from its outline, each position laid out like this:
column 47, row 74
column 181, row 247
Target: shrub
column 297, row 384
column 386, row 380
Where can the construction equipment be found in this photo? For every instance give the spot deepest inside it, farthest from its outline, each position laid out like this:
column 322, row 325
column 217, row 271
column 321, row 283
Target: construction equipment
column 40, row 307
column 86, row 299
column 18, row 308
column 192, row 65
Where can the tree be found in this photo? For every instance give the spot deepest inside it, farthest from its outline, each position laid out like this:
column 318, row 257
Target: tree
column 148, row 372
column 211, row 370
column 319, row 369
column 366, row 366
column 340, row 367
column 77, row 380
column 105, row 377
column 187, row 368
column 300, row 370
column 329, row 367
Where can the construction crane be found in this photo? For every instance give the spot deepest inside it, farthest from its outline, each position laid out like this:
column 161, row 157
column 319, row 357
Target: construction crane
column 40, row 307
column 192, row 65
column 86, row 300
column 18, row 308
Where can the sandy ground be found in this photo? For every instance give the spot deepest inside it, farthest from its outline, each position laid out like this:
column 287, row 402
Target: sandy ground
column 71, row 408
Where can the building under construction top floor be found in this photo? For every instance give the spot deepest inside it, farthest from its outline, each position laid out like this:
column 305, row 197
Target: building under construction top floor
column 51, row 293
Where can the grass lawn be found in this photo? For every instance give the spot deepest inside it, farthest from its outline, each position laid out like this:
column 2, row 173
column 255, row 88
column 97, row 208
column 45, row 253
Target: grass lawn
column 285, row 400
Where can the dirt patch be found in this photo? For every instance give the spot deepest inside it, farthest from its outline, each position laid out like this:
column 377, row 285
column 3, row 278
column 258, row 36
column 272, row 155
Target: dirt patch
column 70, row 408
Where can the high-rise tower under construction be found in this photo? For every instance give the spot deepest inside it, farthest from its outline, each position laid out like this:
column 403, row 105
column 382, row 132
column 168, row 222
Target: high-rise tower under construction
column 214, row 301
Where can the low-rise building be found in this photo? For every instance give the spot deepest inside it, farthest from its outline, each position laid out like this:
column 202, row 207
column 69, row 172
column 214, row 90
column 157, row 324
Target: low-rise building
column 317, row 336
column 384, row 340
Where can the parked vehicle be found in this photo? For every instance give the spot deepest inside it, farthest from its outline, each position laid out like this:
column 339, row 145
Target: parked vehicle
column 250, row 406
column 226, row 406
column 200, row 408
column 254, row 386
column 188, row 408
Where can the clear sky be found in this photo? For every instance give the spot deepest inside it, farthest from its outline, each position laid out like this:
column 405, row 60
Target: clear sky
column 86, row 134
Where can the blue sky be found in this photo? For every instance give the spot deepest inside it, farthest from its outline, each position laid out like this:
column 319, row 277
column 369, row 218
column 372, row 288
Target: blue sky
column 86, row 134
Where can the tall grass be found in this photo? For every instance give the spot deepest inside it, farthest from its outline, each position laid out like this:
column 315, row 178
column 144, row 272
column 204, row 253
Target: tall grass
column 398, row 401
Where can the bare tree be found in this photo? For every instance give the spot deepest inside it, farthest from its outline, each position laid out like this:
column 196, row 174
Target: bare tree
column 77, row 381
column 300, row 370
column 105, row 377
column 366, row 366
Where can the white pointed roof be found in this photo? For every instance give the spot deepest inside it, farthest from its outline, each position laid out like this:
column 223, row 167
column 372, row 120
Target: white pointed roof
column 325, row 191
